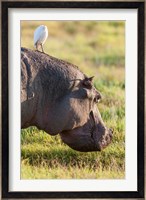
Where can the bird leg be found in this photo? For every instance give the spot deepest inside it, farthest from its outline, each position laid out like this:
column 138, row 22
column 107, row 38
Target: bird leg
column 42, row 48
column 36, row 46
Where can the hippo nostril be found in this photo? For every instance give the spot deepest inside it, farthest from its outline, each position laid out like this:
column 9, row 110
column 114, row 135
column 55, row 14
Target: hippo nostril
column 97, row 97
column 111, row 132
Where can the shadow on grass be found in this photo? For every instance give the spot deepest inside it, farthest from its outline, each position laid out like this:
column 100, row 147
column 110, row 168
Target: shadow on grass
column 68, row 157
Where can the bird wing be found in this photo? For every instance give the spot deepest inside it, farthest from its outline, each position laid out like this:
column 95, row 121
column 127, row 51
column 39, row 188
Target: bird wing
column 40, row 35
column 37, row 35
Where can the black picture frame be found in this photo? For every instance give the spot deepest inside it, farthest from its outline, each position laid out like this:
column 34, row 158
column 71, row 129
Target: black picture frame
column 5, row 100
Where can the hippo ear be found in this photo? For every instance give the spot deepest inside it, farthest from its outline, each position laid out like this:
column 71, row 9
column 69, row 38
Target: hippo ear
column 91, row 78
column 87, row 82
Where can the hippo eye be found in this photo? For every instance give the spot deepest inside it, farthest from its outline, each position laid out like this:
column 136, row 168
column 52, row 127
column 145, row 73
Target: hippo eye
column 87, row 85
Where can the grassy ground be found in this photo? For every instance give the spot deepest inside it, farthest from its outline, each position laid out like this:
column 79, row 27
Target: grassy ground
column 98, row 49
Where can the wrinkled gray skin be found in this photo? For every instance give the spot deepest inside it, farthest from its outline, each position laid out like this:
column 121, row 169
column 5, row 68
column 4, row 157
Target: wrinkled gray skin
column 58, row 98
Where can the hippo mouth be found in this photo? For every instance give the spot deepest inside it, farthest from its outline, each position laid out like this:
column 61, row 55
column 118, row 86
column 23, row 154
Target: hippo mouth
column 93, row 123
column 92, row 136
column 104, row 135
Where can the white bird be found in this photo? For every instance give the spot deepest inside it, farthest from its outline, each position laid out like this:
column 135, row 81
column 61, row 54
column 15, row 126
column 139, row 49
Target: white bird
column 40, row 36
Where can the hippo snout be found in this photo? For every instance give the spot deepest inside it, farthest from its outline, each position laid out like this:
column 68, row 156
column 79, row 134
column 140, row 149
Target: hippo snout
column 82, row 140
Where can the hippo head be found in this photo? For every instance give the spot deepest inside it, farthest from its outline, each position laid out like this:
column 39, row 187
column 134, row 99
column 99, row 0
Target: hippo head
column 58, row 98
column 93, row 135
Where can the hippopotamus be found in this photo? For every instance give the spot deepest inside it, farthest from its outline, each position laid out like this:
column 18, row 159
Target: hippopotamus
column 58, row 98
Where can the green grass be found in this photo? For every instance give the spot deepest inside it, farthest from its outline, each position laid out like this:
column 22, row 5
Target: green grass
column 44, row 156
column 98, row 49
